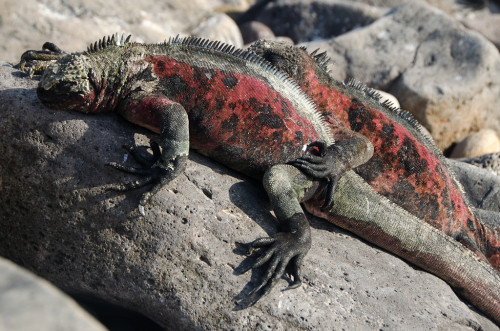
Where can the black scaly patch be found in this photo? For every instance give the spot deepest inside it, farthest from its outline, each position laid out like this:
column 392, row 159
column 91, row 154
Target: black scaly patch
column 360, row 118
column 174, row 84
column 409, row 159
column 230, row 81
column 228, row 125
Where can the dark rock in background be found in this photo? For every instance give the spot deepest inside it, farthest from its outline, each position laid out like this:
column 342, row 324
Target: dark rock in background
column 445, row 75
column 306, row 21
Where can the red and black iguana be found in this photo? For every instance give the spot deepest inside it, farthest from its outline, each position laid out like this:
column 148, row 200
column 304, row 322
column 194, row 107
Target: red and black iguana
column 236, row 108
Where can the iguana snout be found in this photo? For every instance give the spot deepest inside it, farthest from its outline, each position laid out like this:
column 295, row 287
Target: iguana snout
column 65, row 84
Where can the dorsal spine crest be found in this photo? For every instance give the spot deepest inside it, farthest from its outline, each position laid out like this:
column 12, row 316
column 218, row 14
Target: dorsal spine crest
column 106, row 42
column 313, row 114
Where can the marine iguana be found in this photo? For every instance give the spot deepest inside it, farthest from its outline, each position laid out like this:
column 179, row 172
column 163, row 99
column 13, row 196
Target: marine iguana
column 236, row 108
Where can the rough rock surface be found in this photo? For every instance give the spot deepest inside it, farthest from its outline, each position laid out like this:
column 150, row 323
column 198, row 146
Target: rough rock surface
column 482, row 186
column 443, row 73
column 176, row 265
column 28, row 302
column 487, row 25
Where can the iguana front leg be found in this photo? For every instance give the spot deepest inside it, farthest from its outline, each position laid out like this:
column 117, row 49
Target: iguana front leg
column 165, row 165
column 328, row 163
column 286, row 187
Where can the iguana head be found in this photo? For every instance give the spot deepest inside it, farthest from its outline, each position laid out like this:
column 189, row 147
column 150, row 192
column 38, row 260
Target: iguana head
column 65, row 84
column 87, row 81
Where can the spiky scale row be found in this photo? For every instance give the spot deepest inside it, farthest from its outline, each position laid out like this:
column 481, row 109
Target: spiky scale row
column 402, row 114
column 217, row 46
column 251, row 57
column 105, row 42
column 322, row 58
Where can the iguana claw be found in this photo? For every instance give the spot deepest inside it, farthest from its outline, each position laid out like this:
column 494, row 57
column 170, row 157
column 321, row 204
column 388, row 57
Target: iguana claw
column 35, row 62
column 153, row 171
column 277, row 252
column 281, row 252
column 318, row 162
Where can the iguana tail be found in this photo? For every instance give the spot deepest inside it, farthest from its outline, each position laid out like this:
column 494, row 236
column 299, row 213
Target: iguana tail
column 359, row 209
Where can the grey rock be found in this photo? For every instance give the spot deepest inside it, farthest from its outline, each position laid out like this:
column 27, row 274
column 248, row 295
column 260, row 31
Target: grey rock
column 451, row 7
column 486, row 24
column 75, row 23
column 220, row 27
column 321, row 19
column 254, row 30
column 444, row 74
column 304, row 20
column 176, row 265
column 489, row 162
column 481, row 186
column 382, row 3
column 28, row 302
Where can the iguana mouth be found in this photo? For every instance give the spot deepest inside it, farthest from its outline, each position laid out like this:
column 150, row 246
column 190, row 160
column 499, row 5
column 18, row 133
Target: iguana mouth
column 44, row 95
column 59, row 99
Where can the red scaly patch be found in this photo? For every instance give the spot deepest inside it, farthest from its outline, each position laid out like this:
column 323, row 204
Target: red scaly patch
column 234, row 118
column 403, row 168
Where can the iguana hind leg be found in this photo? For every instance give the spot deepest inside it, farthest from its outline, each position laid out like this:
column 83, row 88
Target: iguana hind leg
column 165, row 164
column 35, row 62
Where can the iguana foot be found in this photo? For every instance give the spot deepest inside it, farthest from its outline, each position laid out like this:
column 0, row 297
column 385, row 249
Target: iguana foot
column 282, row 252
column 319, row 162
column 154, row 171
column 148, row 172
column 35, row 62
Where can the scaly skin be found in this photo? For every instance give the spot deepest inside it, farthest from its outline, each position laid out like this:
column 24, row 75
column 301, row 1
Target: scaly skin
column 407, row 167
column 235, row 108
